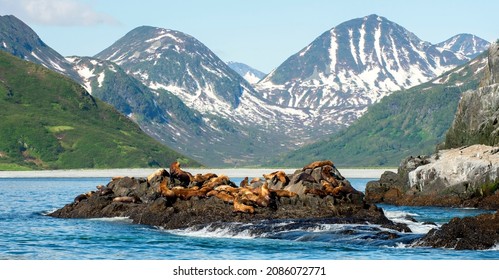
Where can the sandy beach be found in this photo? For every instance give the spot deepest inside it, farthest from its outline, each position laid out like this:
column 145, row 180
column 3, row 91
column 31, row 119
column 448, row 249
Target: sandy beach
column 109, row 173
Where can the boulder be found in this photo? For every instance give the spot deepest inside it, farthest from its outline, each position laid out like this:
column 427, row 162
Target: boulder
column 469, row 233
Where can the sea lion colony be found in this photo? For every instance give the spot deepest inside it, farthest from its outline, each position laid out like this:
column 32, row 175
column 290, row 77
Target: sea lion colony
column 180, row 184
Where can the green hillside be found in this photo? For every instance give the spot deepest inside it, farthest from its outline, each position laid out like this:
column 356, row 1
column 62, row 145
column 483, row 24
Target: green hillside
column 407, row 122
column 51, row 122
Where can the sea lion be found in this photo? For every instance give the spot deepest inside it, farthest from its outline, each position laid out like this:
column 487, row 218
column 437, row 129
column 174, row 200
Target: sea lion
column 240, row 207
column 331, row 174
column 182, row 176
column 159, row 172
column 254, row 180
column 283, row 193
column 225, row 197
column 217, row 181
column 164, row 190
column 305, row 177
column 316, row 164
column 127, row 199
column 343, row 190
column 227, row 189
column 317, row 192
column 277, row 176
column 244, row 183
column 200, row 179
column 328, row 187
column 105, row 191
column 79, row 198
column 186, row 194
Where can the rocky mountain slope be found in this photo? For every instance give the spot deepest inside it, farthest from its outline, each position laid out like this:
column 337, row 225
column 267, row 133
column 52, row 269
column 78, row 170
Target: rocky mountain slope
column 20, row 40
column 234, row 119
column 354, row 65
column 407, row 122
column 477, row 117
column 60, row 126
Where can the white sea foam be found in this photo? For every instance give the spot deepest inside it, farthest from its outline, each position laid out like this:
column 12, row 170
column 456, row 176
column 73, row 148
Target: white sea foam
column 114, row 219
column 211, row 232
column 494, row 248
column 402, row 217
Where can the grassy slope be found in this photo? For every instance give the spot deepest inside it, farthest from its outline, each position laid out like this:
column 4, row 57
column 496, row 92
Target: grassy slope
column 408, row 122
column 49, row 121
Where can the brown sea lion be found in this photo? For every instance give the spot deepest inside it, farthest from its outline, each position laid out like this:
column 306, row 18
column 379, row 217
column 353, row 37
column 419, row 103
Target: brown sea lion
column 331, row 174
column 127, row 199
column 278, row 176
column 164, row 190
column 240, row 207
column 304, row 177
column 283, row 193
column 254, row 180
column 343, row 190
column 159, row 172
column 227, row 189
column 200, row 179
column 217, row 181
column 244, row 183
column 225, row 197
column 316, row 164
column 328, row 187
column 317, row 192
column 264, row 196
column 182, row 176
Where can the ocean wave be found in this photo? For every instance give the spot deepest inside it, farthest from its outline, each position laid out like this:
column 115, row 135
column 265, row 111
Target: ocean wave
column 113, row 219
column 407, row 218
column 215, row 231
column 293, row 230
column 47, row 212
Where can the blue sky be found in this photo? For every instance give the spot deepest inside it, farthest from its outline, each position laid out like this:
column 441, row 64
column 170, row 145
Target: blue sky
column 260, row 33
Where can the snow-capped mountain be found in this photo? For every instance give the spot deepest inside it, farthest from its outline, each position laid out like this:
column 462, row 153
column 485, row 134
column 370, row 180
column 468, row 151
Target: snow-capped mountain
column 465, row 45
column 20, row 40
column 233, row 113
column 249, row 73
column 182, row 94
column 353, row 65
column 174, row 61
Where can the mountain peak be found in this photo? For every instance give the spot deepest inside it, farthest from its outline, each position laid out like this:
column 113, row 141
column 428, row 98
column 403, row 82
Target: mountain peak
column 465, row 45
column 353, row 65
column 18, row 39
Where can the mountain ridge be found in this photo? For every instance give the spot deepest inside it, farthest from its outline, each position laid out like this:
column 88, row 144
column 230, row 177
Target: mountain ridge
column 60, row 126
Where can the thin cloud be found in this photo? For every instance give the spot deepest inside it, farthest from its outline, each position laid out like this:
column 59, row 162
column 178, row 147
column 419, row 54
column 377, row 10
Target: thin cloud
column 56, row 12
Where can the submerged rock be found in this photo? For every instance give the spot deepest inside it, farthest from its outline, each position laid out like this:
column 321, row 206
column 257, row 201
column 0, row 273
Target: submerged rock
column 321, row 193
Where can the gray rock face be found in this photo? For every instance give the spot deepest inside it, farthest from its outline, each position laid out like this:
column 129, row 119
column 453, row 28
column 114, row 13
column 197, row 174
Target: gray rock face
column 493, row 64
column 477, row 118
column 458, row 171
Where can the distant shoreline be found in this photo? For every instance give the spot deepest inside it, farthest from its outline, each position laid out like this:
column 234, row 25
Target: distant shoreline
column 364, row 173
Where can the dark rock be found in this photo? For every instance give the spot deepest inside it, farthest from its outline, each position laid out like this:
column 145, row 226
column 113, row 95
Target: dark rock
column 172, row 211
column 469, row 233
